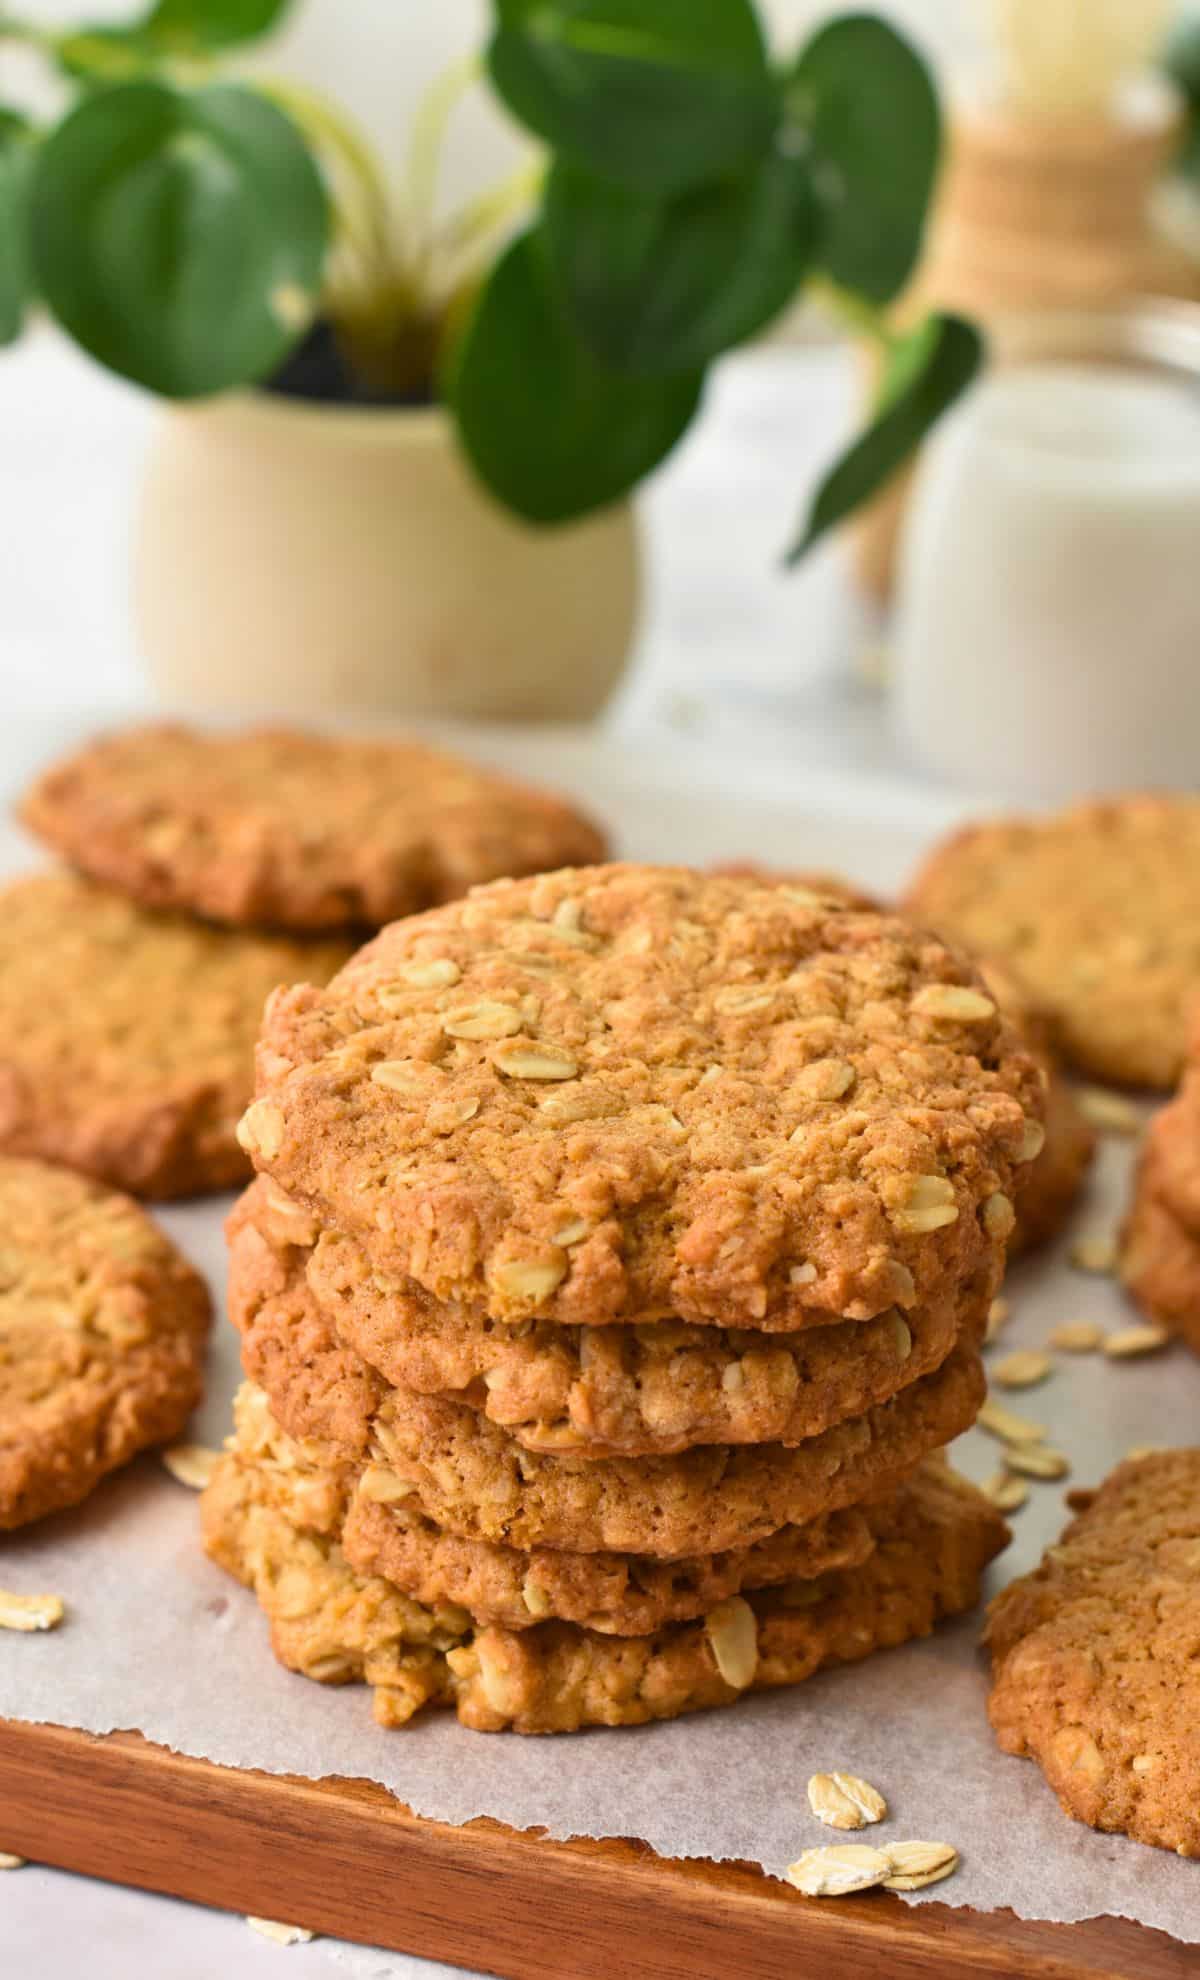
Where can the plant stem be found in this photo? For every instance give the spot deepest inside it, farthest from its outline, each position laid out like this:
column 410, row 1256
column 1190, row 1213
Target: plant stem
column 489, row 210
column 430, row 122
column 857, row 314
column 330, row 131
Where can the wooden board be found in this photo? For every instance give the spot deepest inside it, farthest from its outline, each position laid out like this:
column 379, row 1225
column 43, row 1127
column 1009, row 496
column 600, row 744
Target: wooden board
column 348, row 1860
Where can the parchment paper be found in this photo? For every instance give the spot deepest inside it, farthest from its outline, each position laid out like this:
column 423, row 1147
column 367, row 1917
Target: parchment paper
column 159, row 1640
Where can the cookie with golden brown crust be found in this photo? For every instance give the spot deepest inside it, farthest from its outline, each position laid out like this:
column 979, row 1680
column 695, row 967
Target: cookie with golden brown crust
column 1173, row 1152
column 632, row 1092
column 326, row 1621
column 616, row 1594
column 279, row 828
column 1053, row 1181
column 1098, row 910
column 1095, row 1674
column 127, row 1039
column 310, row 1482
column 472, row 1479
column 1049, row 1195
column 932, row 1542
column 933, row 1539
column 1159, row 1257
column 102, row 1333
column 826, row 886
column 606, row 1391
column 321, row 1387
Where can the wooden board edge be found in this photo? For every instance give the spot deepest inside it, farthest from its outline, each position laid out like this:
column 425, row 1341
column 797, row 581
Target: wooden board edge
column 350, row 1861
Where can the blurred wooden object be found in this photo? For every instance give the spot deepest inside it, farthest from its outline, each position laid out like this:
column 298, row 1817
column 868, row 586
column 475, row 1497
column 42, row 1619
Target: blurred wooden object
column 1039, row 212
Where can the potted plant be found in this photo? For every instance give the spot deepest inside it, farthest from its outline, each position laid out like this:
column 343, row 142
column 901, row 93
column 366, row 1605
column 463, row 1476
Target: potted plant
column 398, row 464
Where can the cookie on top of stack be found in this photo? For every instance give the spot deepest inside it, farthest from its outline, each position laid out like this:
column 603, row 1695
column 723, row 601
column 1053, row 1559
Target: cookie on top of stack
column 1053, row 1181
column 209, row 869
column 1160, row 1242
column 618, row 1264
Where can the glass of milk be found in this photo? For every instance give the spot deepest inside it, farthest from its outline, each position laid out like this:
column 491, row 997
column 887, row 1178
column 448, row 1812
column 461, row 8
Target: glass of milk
column 1047, row 634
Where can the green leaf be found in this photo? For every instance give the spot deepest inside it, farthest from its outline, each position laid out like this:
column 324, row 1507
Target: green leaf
column 867, row 104
column 179, row 235
column 663, row 286
column 660, row 94
column 16, row 155
column 1187, row 158
column 1182, row 62
column 171, row 29
column 1181, row 57
column 928, row 371
column 550, row 430
column 99, row 56
column 197, row 26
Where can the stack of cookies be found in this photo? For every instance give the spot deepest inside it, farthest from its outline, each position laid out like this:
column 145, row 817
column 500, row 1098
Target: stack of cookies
column 1160, row 1243
column 208, row 869
column 616, row 1268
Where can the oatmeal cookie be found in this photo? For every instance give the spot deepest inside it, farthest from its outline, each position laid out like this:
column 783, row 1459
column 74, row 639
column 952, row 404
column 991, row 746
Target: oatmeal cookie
column 932, row 1542
column 615, row 1594
column 102, row 1333
column 326, row 1621
column 826, row 886
column 472, row 1479
column 1173, row 1154
column 933, row 1539
column 1159, row 1257
column 1095, row 1675
column 632, row 1093
column 278, row 828
column 1052, row 1183
column 127, row 1039
column 1097, row 909
column 607, row 1391
column 317, row 1491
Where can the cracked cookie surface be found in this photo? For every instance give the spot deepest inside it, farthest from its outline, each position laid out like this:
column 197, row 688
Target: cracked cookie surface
column 1095, row 1675
column 1052, row 1181
column 127, row 1039
column 279, row 828
column 102, row 1334
column 628, row 1093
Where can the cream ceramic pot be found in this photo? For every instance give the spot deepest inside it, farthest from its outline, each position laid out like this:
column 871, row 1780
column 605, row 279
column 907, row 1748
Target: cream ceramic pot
column 314, row 558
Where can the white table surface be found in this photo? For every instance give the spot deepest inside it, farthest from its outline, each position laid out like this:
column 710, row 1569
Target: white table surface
column 746, row 679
